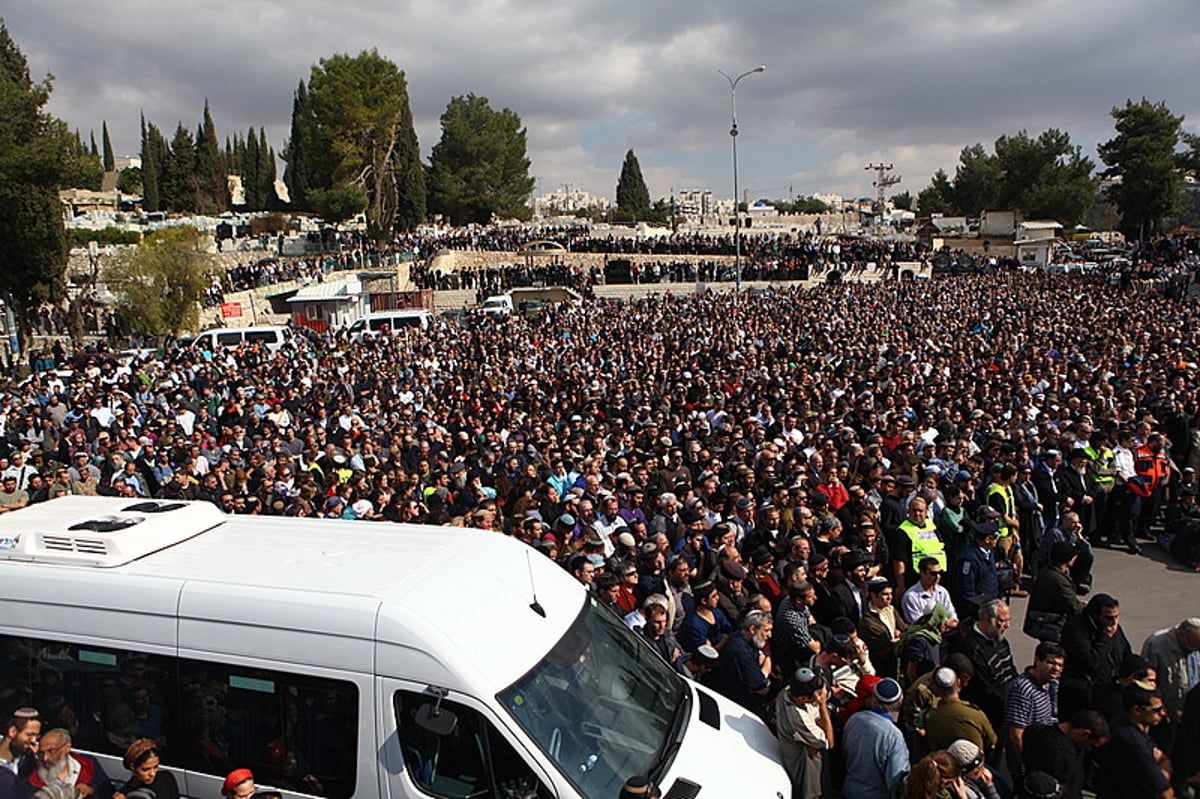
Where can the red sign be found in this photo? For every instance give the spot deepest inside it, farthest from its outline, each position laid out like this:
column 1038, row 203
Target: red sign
column 231, row 310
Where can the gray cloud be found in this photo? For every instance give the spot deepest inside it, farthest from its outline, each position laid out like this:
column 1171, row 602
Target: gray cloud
column 911, row 81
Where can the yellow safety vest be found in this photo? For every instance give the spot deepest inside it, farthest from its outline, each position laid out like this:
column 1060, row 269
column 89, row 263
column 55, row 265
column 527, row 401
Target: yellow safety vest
column 1010, row 505
column 925, row 543
column 1102, row 461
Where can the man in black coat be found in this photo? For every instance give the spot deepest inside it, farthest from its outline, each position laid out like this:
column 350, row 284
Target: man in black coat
column 1045, row 481
column 1095, row 646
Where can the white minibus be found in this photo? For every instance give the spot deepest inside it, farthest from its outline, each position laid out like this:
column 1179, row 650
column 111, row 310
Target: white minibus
column 271, row 337
column 376, row 323
column 349, row 659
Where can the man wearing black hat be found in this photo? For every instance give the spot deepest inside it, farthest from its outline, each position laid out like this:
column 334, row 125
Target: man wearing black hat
column 1045, row 481
column 1077, row 487
column 1054, row 597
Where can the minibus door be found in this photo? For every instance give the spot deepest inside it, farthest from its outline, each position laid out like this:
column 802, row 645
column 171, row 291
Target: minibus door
column 447, row 744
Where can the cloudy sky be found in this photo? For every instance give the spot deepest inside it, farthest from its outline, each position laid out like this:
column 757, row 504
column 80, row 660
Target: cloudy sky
column 847, row 82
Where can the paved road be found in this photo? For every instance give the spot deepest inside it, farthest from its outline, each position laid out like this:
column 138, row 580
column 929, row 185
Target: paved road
column 1154, row 592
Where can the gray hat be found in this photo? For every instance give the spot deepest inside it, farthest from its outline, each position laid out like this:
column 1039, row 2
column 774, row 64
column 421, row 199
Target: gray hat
column 967, row 754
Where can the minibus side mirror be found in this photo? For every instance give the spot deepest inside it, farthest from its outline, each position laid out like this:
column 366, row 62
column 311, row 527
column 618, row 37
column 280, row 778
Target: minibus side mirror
column 436, row 720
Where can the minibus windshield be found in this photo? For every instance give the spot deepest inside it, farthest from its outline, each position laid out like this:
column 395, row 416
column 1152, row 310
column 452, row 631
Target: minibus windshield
column 602, row 705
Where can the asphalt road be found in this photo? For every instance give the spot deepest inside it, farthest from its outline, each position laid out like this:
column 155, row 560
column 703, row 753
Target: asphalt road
column 1154, row 592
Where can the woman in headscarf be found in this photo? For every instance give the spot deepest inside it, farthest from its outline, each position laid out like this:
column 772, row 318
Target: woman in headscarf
column 921, row 643
column 147, row 780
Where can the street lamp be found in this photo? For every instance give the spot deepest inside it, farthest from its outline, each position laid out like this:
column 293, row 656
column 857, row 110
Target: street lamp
column 733, row 132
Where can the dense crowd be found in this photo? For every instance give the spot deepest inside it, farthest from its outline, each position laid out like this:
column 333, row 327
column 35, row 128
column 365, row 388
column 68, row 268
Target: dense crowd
column 819, row 502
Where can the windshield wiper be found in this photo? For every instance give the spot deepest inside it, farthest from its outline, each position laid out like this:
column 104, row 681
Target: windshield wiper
column 674, row 736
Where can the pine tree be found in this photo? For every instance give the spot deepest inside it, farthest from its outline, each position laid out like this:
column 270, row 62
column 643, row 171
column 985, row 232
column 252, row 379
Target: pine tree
column 479, row 168
column 36, row 152
column 110, row 163
column 632, row 195
column 1142, row 155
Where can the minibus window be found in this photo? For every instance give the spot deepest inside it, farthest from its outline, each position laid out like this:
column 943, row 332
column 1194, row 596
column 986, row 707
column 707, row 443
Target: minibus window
column 261, row 337
column 471, row 760
column 229, row 339
column 601, row 704
column 296, row 732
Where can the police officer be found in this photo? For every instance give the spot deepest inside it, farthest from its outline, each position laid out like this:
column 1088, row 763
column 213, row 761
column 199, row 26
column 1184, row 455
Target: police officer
column 977, row 579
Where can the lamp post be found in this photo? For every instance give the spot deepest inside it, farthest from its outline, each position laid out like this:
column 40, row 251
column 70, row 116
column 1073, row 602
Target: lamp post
column 733, row 133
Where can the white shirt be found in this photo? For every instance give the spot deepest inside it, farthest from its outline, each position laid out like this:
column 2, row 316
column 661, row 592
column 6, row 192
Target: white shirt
column 916, row 602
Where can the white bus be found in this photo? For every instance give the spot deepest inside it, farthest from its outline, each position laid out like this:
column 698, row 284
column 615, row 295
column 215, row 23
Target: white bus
column 349, row 659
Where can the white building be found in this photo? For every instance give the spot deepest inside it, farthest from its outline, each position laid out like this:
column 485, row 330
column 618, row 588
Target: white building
column 567, row 200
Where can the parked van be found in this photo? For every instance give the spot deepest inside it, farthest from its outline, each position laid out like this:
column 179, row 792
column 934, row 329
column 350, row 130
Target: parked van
column 351, row 659
column 272, row 337
column 497, row 305
column 375, row 323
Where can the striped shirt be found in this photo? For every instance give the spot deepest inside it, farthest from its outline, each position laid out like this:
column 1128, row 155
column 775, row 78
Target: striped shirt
column 1026, row 703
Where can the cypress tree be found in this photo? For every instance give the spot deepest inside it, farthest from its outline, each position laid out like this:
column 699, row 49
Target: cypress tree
column 250, row 172
column 211, row 182
column 298, row 175
column 410, row 173
column 178, row 185
column 151, row 168
column 266, row 172
column 110, row 163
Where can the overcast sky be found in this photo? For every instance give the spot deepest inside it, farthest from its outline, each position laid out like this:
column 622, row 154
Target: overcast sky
column 847, row 82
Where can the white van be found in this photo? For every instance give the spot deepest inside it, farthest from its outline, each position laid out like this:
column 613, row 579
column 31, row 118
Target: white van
column 498, row 305
column 351, row 659
column 374, row 324
column 271, row 337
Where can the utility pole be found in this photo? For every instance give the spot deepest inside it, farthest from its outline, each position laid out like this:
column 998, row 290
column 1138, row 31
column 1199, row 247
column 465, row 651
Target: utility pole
column 883, row 181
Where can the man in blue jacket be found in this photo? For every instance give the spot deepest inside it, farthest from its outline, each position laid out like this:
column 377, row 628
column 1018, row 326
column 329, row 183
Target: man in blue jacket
column 976, row 580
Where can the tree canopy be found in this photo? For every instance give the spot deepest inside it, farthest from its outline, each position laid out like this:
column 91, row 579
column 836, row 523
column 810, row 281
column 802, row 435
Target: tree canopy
column 352, row 126
column 37, row 152
column 479, row 168
column 1142, row 160
column 1043, row 177
column 161, row 282
column 632, row 195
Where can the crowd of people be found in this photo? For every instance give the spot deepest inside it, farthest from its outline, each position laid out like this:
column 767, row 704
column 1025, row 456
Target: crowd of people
column 821, row 502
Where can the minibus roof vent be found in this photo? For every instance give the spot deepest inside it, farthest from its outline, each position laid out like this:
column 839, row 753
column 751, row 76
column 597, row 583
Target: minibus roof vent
column 101, row 531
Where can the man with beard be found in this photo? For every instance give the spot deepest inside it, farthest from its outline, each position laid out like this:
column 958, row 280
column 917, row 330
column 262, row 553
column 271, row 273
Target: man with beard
column 17, row 748
column 744, row 667
column 58, row 764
